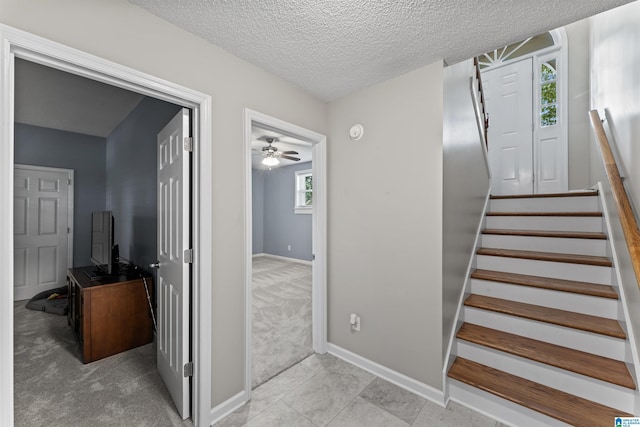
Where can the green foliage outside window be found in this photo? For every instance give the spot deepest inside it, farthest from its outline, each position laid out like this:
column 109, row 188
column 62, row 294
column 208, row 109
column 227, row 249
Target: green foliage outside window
column 548, row 94
column 308, row 193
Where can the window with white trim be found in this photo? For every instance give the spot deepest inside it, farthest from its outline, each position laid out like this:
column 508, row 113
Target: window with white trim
column 304, row 192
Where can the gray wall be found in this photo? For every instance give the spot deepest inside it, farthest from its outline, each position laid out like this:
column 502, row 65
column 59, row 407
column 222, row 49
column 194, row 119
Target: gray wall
column 578, row 93
column 282, row 226
column 466, row 186
column 84, row 154
column 615, row 87
column 131, row 189
column 385, row 224
column 129, row 35
column 257, row 208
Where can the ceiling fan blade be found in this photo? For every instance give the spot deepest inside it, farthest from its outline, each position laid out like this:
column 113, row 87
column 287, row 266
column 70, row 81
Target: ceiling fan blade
column 295, row 159
column 290, row 152
column 268, row 139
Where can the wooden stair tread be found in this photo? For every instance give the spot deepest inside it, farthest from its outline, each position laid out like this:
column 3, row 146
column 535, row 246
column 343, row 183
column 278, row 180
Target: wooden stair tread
column 583, row 288
column 538, row 196
column 583, row 322
column 591, row 365
column 554, row 403
column 547, row 256
column 545, row 233
column 562, row 214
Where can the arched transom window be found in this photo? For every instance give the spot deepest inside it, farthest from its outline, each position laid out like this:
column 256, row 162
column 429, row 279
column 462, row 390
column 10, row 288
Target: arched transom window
column 516, row 50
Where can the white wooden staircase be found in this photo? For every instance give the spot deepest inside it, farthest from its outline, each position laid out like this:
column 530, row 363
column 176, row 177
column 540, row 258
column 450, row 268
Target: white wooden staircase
column 542, row 338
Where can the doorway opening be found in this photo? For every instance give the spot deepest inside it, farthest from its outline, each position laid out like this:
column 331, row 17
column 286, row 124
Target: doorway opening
column 299, row 254
column 525, row 87
column 282, row 197
column 25, row 46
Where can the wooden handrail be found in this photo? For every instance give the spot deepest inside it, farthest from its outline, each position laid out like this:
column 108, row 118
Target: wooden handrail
column 627, row 217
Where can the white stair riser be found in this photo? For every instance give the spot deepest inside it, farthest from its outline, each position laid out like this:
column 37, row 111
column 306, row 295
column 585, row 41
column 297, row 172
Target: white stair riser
column 585, row 304
column 546, row 204
column 563, row 245
column 597, row 344
column 557, row 270
column 547, row 223
column 503, row 410
column 559, row 379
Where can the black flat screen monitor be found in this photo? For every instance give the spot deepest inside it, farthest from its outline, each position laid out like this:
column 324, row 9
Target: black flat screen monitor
column 102, row 241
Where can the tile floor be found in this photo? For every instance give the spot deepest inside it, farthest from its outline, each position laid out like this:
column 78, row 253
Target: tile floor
column 324, row 390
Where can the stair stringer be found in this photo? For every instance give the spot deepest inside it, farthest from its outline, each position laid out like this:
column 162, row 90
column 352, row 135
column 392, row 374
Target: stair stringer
column 466, row 289
column 616, row 279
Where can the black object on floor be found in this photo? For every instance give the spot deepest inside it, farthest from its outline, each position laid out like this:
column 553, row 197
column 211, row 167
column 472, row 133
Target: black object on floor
column 56, row 305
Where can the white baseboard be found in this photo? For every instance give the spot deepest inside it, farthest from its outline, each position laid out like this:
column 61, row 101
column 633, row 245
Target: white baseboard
column 284, row 258
column 401, row 380
column 227, row 407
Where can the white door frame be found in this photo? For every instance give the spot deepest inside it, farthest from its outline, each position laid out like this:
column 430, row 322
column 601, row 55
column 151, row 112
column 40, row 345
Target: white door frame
column 16, row 43
column 70, row 175
column 319, row 229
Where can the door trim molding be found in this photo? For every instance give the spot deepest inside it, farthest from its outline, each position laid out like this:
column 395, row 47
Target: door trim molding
column 319, row 229
column 70, row 202
column 17, row 43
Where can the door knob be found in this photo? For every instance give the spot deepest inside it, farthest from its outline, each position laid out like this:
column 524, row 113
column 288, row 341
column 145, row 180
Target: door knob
column 155, row 264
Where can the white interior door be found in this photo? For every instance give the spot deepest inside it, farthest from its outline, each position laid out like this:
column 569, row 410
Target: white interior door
column 41, row 229
column 174, row 272
column 509, row 100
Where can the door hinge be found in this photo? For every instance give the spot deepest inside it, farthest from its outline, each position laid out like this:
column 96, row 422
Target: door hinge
column 188, row 256
column 69, row 181
column 313, row 257
column 68, row 230
column 188, row 369
column 188, row 144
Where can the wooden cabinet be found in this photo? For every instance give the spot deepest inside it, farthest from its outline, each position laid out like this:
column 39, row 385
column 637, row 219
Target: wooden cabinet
column 109, row 315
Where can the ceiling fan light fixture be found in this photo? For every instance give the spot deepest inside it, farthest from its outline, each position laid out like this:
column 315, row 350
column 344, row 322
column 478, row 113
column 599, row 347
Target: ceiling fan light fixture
column 270, row 161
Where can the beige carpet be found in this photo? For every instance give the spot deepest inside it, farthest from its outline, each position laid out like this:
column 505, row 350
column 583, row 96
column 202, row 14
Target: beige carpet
column 54, row 388
column 281, row 323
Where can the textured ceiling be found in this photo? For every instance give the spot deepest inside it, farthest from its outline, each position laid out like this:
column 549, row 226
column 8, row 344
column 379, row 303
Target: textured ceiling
column 334, row 47
column 55, row 99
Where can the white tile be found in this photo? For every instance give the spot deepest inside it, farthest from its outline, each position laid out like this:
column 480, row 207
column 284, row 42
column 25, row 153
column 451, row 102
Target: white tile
column 280, row 415
column 268, row 394
column 453, row 415
column 326, row 394
column 398, row 401
column 362, row 413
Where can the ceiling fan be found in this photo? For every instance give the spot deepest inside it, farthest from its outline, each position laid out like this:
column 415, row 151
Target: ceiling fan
column 271, row 153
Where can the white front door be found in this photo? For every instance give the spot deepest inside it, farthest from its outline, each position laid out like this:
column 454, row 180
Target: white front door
column 41, row 229
column 509, row 100
column 174, row 215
